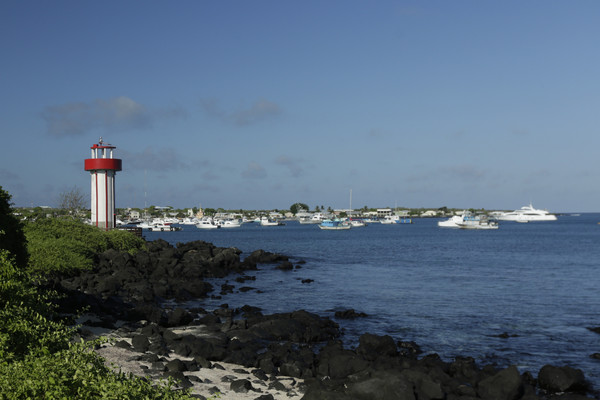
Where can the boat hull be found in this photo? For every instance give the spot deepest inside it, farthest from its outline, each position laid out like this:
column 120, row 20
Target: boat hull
column 335, row 228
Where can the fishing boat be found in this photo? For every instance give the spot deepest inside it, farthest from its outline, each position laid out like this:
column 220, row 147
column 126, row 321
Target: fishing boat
column 207, row 223
column 356, row 223
column 316, row 218
column 229, row 223
column 395, row 219
column 159, row 226
column 477, row 222
column 264, row 221
column 334, row 224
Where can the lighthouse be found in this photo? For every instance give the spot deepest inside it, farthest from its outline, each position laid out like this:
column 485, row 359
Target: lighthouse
column 103, row 167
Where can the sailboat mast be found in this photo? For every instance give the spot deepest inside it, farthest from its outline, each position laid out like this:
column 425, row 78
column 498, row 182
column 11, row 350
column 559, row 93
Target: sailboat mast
column 350, row 199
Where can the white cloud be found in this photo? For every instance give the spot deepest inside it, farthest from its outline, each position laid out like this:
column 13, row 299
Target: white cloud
column 259, row 111
column 7, row 175
column 116, row 114
column 254, row 171
column 293, row 165
column 163, row 159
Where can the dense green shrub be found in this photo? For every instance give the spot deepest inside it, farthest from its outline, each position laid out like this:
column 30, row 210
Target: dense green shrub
column 12, row 237
column 124, row 241
column 75, row 373
column 37, row 359
column 26, row 325
column 66, row 245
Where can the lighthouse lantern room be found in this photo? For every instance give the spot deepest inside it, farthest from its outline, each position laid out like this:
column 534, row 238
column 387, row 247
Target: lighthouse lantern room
column 103, row 167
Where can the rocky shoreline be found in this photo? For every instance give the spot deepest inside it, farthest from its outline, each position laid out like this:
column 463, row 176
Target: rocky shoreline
column 286, row 355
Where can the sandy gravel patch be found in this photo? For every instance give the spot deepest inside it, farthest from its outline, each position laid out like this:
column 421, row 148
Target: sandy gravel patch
column 207, row 381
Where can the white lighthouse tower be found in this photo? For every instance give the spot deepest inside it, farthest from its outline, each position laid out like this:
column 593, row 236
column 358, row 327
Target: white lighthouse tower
column 103, row 167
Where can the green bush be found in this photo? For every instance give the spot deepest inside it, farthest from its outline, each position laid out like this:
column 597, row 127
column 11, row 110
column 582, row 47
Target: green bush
column 76, row 373
column 65, row 245
column 37, row 359
column 12, row 237
column 26, row 325
column 124, row 241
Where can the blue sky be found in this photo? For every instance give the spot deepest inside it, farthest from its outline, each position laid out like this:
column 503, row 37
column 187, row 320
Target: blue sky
column 261, row 104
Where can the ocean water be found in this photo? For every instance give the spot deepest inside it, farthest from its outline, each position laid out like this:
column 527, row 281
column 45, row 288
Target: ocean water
column 451, row 291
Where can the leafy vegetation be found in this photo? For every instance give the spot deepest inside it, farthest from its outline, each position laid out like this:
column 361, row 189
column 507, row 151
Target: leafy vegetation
column 37, row 356
column 12, row 237
column 65, row 245
column 297, row 207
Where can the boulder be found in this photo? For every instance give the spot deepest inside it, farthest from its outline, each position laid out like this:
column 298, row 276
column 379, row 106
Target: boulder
column 505, row 385
column 383, row 386
column 140, row 343
column 373, row 346
column 241, row 386
column 561, row 379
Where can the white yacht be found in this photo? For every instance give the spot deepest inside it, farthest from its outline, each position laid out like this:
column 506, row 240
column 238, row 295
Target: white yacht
column 527, row 214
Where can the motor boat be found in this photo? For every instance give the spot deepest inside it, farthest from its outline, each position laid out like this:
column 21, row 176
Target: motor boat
column 264, row 221
column 159, row 226
column 316, row 218
column 207, row 224
column 334, row 224
column 451, row 222
column 395, row 219
column 229, row 223
column 527, row 214
column 471, row 221
column 356, row 223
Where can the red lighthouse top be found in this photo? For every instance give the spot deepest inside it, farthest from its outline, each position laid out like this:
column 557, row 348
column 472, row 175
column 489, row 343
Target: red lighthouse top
column 102, row 158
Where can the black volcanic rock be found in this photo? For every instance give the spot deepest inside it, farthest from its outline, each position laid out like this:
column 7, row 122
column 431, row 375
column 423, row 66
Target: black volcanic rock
column 561, row 379
column 349, row 314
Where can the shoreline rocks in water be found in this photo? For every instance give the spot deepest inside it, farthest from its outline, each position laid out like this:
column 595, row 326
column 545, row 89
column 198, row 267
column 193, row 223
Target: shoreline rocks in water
column 299, row 345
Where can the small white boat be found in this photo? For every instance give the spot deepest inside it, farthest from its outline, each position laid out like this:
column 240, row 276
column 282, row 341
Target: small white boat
column 316, row 218
column 264, row 221
column 357, row 223
column 160, row 227
column 395, row 219
column 334, row 225
column 477, row 222
column 451, row 222
column 371, row 220
column 207, row 224
column 229, row 223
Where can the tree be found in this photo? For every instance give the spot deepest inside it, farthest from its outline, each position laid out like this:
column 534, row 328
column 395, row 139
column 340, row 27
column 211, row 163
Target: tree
column 12, row 237
column 297, row 207
column 72, row 200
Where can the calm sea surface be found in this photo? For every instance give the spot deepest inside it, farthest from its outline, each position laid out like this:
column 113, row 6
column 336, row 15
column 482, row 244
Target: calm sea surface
column 451, row 291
